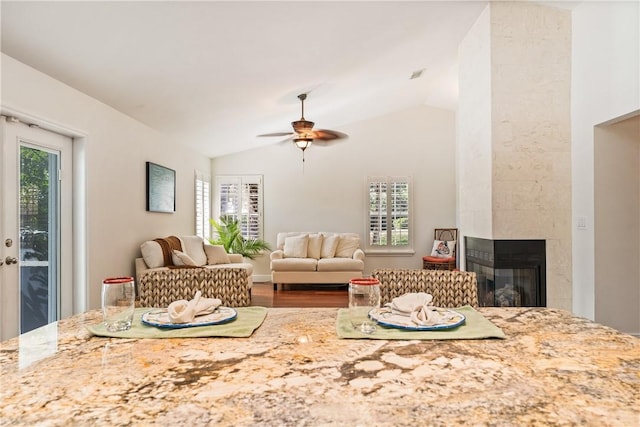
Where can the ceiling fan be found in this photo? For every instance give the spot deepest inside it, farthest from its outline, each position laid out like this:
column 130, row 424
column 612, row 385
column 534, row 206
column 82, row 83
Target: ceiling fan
column 303, row 133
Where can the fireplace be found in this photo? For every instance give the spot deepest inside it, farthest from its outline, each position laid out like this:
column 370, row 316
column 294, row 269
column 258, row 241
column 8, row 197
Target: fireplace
column 510, row 273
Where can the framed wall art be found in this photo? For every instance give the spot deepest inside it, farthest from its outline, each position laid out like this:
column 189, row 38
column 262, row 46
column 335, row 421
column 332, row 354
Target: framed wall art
column 161, row 188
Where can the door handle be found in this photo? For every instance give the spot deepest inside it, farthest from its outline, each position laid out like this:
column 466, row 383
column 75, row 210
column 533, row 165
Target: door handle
column 11, row 260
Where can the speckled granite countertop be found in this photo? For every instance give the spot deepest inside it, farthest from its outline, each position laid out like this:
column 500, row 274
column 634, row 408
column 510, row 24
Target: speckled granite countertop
column 553, row 369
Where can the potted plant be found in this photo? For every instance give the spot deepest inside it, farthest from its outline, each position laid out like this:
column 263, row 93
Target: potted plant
column 230, row 236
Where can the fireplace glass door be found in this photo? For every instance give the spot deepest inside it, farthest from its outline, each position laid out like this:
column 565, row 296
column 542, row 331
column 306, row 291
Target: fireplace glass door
column 507, row 287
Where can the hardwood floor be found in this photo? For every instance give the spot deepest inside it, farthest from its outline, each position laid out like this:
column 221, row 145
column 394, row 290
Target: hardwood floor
column 262, row 294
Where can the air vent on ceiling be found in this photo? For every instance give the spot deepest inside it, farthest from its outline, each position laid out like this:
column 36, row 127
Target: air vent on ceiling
column 417, row 74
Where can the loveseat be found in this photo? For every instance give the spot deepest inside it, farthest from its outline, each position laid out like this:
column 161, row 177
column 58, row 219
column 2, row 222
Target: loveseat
column 314, row 257
column 175, row 267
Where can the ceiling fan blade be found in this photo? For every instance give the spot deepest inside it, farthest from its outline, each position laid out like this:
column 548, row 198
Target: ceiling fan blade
column 327, row 135
column 323, row 143
column 276, row 134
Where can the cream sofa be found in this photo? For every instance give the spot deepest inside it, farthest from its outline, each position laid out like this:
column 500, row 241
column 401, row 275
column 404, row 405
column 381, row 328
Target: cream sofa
column 194, row 265
column 314, row 257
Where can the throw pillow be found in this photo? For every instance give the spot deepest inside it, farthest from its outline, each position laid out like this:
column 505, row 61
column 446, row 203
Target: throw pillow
column 443, row 248
column 152, row 254
column 329, row 245
column 193, row 246
column 296, row 246
column 347, row 246
column 180, row 258
column 315, row 246
column 216, row 254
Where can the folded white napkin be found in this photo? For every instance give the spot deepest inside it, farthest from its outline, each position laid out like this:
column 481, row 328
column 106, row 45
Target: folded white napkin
column 418, row 307
column 407, row 303
column 183, row 311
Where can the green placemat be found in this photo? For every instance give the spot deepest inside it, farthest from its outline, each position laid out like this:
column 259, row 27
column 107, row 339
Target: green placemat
column 476, row 326
column 248, row 320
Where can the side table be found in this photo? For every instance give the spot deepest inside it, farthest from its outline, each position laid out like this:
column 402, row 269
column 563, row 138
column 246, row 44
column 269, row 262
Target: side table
column 435, row 263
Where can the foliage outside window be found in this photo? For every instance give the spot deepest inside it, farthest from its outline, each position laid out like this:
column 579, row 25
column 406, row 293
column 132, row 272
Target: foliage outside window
column 389, row 213
column 239, row 198
column 34, row 202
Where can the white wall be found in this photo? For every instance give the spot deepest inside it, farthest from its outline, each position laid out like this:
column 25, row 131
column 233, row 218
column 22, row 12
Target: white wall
column 115, row 148
column 617, row 225
column 329, row 194
column 605, row 85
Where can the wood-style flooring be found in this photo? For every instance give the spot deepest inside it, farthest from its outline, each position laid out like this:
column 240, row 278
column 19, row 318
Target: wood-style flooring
column 262, row 294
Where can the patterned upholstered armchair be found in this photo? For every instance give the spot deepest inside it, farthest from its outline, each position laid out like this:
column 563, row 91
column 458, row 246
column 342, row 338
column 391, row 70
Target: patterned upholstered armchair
column 449, row 288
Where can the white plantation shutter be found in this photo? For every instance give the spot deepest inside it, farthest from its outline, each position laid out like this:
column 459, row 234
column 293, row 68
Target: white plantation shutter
column 228, row 197
column 240, row 197
column 388, row 213
column 203, row 203
column 251, row 212
column 377, row 211
column 399, row 212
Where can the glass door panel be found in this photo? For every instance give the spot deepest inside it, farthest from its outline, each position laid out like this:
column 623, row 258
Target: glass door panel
column 39, row 236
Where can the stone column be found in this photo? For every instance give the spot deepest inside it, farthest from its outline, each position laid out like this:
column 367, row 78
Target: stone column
column 514, row 133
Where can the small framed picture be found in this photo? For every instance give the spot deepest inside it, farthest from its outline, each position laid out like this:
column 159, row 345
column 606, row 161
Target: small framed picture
column 161, row 188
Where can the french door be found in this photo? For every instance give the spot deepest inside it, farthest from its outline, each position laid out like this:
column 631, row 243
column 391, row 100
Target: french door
column 35, row 227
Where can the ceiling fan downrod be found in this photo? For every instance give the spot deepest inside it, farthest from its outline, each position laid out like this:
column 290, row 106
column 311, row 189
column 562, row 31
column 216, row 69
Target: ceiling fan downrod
column 302, row 127
column 302, row 97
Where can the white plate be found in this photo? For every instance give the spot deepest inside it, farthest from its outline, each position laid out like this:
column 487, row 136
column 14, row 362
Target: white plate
column 384, row 317
column 160, row 318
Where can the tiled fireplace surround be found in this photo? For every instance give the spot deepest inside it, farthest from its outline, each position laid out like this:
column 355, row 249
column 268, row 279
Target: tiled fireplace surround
column 513, row 123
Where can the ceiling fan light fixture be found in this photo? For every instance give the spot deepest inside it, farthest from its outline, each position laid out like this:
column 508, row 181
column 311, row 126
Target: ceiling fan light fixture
column 303, row 143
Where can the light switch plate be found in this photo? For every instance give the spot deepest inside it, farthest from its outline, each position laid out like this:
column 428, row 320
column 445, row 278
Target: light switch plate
column 581, row 223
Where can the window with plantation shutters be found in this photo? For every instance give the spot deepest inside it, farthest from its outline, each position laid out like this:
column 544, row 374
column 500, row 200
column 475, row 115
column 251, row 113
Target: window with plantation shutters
column 389, row 214
column 203, row 191
column 240, row 198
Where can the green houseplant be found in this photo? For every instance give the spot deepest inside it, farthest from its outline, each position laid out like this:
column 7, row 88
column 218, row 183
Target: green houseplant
column 230, row 236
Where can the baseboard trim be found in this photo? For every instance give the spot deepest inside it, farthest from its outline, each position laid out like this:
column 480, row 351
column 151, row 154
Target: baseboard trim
column 261, row 278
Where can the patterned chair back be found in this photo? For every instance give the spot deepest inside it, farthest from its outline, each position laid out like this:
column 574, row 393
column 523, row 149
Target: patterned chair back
column 161, row 287
column 449, row 288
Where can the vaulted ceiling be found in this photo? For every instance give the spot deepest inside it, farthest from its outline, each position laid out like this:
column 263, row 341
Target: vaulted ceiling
column 213, row 75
